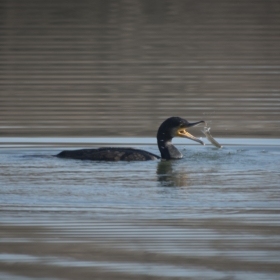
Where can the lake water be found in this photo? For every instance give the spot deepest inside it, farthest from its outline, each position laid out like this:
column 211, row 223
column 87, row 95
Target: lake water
column 215, row 214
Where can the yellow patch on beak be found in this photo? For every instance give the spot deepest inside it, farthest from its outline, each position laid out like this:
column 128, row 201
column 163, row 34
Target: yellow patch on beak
column 181, row 132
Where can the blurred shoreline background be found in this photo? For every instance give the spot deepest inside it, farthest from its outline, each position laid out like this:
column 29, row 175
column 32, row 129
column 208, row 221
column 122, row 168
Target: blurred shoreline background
column 119, row 68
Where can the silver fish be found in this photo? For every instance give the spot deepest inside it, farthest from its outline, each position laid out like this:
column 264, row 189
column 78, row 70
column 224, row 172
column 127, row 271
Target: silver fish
column 206, row 131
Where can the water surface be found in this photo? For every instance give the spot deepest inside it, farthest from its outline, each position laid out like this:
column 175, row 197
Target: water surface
column 212, row 215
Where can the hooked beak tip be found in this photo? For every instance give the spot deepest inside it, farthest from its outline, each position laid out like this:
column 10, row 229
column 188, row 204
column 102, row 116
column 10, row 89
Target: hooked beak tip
column 196, row 123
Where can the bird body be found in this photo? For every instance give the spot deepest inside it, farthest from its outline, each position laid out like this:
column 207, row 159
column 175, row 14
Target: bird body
column 170, row 128
column 109, row 154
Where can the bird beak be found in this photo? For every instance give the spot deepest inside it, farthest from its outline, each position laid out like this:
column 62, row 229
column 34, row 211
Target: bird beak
column 181, row 132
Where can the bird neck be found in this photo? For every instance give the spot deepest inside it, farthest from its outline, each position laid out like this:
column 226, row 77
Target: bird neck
column 165, row 146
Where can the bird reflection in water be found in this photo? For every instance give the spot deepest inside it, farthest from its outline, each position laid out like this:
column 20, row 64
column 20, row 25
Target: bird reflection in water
column 168, row 176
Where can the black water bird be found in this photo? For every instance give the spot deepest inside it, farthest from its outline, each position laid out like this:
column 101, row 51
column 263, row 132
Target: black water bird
column 170, row 128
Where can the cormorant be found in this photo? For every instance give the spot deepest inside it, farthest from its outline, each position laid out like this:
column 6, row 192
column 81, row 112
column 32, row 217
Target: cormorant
column 169, row 129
